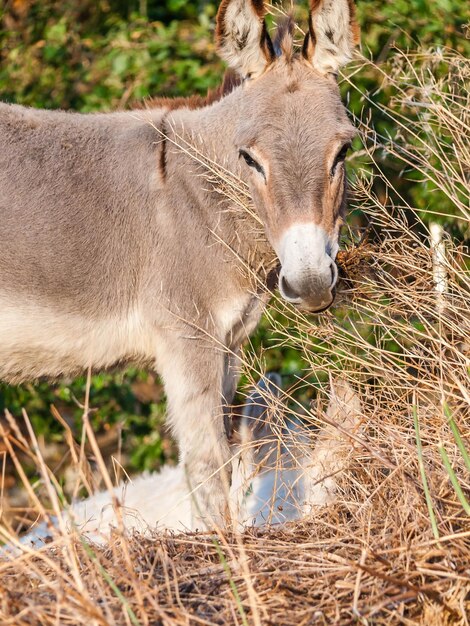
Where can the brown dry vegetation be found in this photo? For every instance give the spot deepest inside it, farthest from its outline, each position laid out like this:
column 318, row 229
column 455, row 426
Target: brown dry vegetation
column 395, row 547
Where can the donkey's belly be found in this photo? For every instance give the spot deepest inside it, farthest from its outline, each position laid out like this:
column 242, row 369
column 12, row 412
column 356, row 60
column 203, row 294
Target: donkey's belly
column 39, row 342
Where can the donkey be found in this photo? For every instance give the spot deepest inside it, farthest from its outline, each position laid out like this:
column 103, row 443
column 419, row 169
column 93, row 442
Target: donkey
column 117, row 244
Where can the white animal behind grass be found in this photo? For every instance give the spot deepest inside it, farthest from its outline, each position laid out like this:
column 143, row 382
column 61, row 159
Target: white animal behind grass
column 278, row 475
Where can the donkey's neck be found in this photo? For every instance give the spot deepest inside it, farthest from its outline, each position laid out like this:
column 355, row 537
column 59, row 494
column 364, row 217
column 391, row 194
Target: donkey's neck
column 201, row 154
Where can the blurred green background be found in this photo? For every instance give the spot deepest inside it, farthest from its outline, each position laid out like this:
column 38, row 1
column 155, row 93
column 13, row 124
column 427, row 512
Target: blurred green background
column 91, row 55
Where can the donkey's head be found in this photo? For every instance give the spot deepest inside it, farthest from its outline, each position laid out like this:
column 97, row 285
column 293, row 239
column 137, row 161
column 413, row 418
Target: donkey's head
column 292, row 135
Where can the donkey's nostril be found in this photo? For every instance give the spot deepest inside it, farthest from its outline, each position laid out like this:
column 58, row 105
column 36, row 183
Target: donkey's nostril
column 287, row 290
column 334, row 274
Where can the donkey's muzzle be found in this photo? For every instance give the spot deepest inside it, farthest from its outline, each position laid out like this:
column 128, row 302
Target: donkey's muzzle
column 312, row 291
column 314, row 302
column 308, row 272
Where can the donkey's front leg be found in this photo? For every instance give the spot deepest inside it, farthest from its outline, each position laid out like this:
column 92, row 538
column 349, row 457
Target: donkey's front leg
column 193, row 375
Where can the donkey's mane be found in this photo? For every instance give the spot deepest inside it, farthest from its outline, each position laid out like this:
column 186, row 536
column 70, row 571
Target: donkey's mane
column 230, row 82
column 284, row 38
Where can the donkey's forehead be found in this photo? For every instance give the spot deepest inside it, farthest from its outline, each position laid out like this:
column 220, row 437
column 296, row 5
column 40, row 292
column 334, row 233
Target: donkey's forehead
column 293, row 99
column 293, row 75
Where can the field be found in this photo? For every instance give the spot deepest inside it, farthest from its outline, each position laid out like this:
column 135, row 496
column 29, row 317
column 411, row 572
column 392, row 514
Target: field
column 394, row 547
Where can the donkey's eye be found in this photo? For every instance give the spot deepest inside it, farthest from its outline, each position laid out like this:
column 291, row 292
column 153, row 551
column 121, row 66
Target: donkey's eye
column 340, row 158
column 249, row 160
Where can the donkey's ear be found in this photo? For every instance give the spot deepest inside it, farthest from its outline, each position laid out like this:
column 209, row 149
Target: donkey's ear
column 332, row 35
column 242, row 37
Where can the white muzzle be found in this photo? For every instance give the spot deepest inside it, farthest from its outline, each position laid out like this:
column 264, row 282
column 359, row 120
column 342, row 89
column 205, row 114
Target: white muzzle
column 308, row 271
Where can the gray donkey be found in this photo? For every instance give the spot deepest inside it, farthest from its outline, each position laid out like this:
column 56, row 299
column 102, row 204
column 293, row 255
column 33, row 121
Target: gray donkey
column 118, row 241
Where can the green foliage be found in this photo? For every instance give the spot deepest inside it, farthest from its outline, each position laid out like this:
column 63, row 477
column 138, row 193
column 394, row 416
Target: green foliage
column 409, row 24
column 118, row 404
column 55, row 62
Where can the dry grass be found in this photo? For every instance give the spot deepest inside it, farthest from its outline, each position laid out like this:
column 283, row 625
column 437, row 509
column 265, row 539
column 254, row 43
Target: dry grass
column 343, row 567
column 395, row 547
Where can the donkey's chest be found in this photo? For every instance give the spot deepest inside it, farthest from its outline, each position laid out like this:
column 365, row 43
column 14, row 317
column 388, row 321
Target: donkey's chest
column 240, row 316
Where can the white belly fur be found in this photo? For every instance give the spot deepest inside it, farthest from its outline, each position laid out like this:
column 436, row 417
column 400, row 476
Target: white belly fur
column 36, row 341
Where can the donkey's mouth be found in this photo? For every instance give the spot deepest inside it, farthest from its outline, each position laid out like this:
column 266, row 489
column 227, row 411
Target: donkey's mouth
column 308, row 307
column 310, row 299
column 315, row 311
